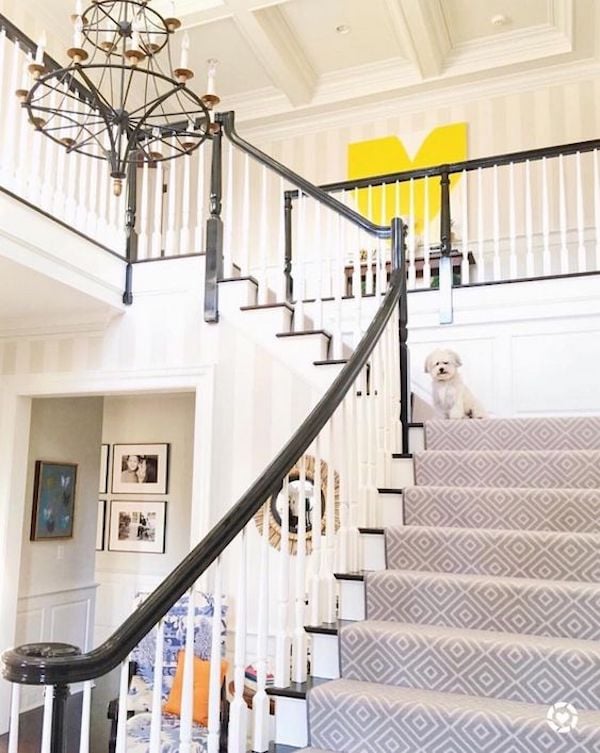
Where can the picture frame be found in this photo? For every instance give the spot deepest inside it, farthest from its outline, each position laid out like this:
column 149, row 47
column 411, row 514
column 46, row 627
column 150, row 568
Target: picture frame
column 140, row 468
column 101, row 525
column 103, row 480
column 137, row 526
column 54, row 490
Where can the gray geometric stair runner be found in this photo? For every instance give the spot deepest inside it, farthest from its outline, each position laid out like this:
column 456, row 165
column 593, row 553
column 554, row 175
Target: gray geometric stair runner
column 576, row 510
column 511, row 554
column 521, row 668
column 572, row 433
column 578, row 469
column 360, row 717
column 513, row 605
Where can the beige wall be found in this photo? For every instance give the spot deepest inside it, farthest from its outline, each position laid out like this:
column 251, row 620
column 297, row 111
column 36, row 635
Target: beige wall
column 68, row 430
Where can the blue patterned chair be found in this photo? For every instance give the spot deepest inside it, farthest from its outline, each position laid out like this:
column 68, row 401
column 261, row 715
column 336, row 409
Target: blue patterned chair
column 141, row 672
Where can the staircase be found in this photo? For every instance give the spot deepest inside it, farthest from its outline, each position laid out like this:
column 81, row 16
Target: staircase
column 486, row 622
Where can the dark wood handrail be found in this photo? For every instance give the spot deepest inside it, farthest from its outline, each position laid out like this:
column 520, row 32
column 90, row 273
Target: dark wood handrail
column 458, row 167
column 32, row 666
column 319, row 194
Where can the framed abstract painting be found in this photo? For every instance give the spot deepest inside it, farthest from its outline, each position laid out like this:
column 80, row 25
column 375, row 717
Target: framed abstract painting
column 53, row 500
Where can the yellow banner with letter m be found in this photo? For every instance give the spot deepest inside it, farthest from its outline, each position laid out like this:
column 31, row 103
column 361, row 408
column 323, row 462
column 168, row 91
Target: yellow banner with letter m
column 443, row 145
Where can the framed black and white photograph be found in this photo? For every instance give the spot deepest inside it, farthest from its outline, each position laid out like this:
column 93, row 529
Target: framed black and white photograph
column 103, row 481
column 140, row 468
column 137, row 526
column 101, row 525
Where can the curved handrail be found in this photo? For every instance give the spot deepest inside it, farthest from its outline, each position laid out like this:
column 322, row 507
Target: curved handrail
column 227, row 121
column 22, row 667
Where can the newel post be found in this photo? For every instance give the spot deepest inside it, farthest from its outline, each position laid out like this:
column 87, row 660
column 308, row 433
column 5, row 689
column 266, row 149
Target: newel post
column 399, row 262
column 131, row 238
column 445, row 270
column 214, row 232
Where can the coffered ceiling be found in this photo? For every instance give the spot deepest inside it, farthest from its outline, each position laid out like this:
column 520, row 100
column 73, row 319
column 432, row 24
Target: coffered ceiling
column 278, row 57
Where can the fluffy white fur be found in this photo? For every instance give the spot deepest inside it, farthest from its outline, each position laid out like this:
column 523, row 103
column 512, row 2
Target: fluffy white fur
column 450, row 396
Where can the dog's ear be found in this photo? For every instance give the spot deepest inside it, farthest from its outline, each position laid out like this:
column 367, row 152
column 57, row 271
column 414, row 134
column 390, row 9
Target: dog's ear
column 455, row 357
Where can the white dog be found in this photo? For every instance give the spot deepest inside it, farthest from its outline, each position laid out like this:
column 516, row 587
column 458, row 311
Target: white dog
column 450, row 396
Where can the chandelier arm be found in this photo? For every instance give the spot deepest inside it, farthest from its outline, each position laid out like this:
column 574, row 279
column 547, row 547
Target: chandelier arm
column 128, row 90
column 99, row 100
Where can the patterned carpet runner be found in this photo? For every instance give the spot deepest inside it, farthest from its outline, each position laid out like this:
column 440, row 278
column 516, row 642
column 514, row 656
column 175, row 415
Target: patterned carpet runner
column 483, row 633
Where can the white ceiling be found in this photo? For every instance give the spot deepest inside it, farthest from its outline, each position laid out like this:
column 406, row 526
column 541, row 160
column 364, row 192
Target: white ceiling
column 278, row 57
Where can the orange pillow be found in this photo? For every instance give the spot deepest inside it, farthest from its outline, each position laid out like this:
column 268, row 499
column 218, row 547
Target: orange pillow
column 201, row 683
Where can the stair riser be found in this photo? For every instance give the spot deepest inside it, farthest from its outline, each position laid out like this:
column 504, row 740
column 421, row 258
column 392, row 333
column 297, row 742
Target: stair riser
column 577, row 470
column 373, row 551
column 359, row 722
column 352, row 600
column 325, row 656
column 575, row 510
column 273, row 319
column 514, row 606
column 416, row 438
column 582, row 433
column 306, row 348
column 481, row 666
column 402, row 473
column 236, row 293
column 291, row 726
column 511, row 554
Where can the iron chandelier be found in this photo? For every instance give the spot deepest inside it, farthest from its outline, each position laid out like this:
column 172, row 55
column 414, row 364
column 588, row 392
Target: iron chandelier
column 116, row 101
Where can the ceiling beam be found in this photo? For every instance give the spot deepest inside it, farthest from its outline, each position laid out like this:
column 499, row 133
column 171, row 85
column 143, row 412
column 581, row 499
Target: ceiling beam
column 422, row 33
column 277, row 49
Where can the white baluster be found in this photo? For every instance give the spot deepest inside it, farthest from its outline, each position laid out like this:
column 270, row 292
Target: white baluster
column 328, row 558
column 92, row 206
column 263, row 288
column 201, row 209
column 347, row 540
column 318, row 309
column 512, row 226
column 260, row 700
column 156, row 251
column 426, row 251
column 48, row 188
column 47, row 720
column 546, row 258
column 10, row 152
column 315, row 600
column 171, row 236
column 562, row 215
column 187, row 689
column 121, row 742
column 283, row 641
column 299, row 264
column 228, row 216
column 380, row 281
column 143, row 235
column 15, row 707
column 412, row 230
column 496, row 223
column 156, row 724
column 300, row 642
column 282, row 288
column 184, row 230
column 339, row 280
column 356, row 276
column 369, row 261
column 86, row 711
column 245, row 239
column 581, row 252
column 480, row 248
column 465, row 269
column 214, row 695
column 82, row 193
column 238, row 715
column 529, row 266
column 597, row 206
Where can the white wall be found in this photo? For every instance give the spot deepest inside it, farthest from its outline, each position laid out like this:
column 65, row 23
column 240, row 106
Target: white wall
column 56, row 578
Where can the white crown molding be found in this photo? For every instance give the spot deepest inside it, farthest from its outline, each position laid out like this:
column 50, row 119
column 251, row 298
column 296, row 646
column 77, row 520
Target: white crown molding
column 396, row 103
column 44, row 325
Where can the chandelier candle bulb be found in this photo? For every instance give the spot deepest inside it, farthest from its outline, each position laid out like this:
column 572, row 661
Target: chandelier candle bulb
column 78, row 33
column 39, row 53
column 184, row 61
column 212, row 74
